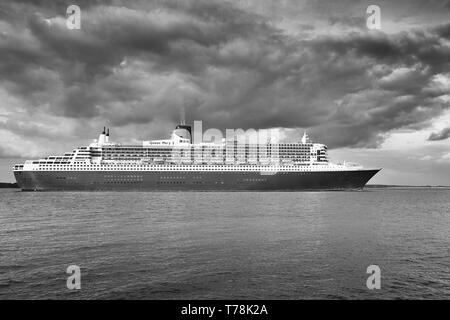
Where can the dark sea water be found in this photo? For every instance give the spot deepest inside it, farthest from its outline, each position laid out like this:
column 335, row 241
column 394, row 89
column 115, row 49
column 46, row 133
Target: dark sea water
column 250, row 245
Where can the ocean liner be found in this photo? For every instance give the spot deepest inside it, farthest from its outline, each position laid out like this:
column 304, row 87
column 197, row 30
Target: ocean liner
column 181, row 163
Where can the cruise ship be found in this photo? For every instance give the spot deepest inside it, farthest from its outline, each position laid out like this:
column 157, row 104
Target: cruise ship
column 181, row 163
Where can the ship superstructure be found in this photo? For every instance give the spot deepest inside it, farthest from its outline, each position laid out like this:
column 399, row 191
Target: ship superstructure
column 179, row 164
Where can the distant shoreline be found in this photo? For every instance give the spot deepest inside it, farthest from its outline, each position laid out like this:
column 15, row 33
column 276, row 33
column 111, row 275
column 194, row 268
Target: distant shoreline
column 374, row 186
column 8, row 185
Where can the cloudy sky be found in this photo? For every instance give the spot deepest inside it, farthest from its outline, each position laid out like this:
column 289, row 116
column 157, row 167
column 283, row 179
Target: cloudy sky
column 377, row 97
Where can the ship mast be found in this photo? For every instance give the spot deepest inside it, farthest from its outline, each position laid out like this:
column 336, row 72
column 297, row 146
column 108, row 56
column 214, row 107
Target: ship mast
column 182, row 115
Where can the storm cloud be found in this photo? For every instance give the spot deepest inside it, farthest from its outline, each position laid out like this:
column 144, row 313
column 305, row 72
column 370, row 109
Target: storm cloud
column 134, row 64
column 441, row 135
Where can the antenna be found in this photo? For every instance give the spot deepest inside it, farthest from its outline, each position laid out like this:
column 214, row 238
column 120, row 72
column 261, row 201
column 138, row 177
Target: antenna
column 104, row 129
column 182, row 115
column 107, row 133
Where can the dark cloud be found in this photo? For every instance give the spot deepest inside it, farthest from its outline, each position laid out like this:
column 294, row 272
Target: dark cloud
column 136, row 63
column 441, row 135
column 416, row 46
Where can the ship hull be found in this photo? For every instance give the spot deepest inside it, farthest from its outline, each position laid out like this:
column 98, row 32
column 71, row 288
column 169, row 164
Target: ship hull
column 190, row 180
